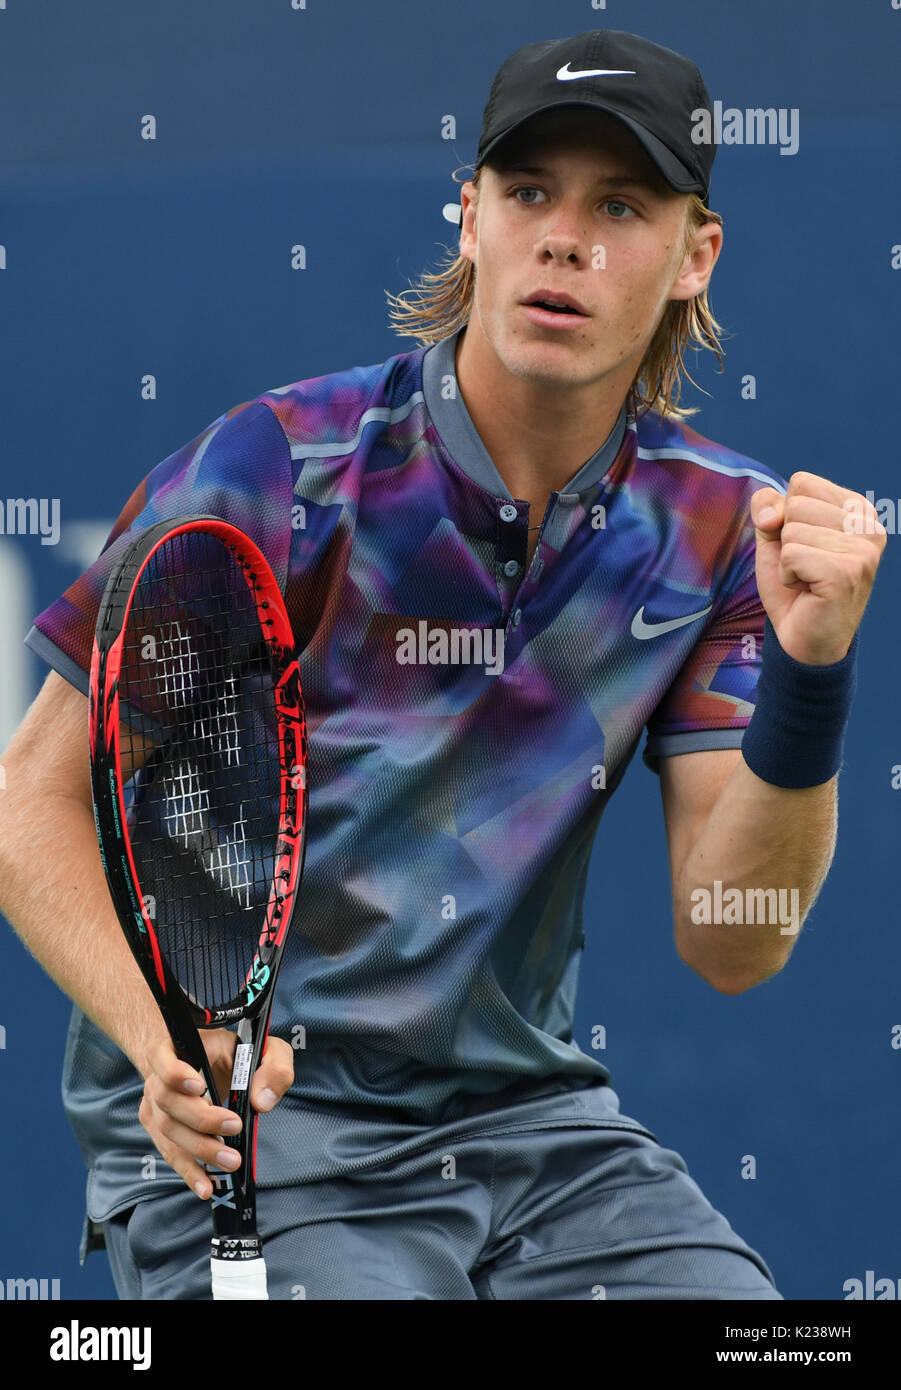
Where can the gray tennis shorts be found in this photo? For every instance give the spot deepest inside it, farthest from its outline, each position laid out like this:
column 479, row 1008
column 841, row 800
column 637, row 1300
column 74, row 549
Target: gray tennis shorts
column 559, row 1197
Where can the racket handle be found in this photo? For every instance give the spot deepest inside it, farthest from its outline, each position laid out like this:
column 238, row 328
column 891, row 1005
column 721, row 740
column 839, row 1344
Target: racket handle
column 237, row 1269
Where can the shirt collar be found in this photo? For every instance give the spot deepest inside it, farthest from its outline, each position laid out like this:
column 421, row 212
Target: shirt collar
column 463, row 441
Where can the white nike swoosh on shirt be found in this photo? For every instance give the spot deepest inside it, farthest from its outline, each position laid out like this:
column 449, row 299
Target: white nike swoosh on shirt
column 564, row 74
column 643, row 630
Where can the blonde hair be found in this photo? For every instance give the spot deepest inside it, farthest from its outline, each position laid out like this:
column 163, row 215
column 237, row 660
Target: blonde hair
column 444, row 299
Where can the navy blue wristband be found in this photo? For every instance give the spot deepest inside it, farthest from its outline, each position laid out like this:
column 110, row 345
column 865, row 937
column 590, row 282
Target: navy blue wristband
column 796, row 734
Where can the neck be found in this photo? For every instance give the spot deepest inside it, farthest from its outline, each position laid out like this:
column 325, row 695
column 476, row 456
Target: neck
column 538, row 436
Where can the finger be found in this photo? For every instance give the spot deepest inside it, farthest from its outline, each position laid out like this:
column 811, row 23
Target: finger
column 274, row 1075
column 812, row 566
column 860, row 518
column 767, row 511
column 210, row 1150
column 182, row 1162
column 195, row 1112
column 812, row 485
column 186, row 1168
column 817, row 537
column 816, row 512
column 175, row 1074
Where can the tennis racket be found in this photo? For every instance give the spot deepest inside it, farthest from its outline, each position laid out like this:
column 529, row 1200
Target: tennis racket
column 198, row 774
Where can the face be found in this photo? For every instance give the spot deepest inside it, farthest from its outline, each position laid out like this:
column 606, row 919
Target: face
column 588, row 216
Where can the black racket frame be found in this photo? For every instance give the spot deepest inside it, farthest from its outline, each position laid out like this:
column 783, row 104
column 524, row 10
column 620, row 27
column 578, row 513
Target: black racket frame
column 234, row 1194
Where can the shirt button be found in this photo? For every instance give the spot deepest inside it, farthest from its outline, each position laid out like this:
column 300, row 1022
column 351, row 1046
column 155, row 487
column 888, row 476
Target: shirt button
column 508, row 512
column 516, row 617
column 511, row 568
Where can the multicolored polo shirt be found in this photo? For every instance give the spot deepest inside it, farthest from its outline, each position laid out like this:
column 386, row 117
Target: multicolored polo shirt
column 470, row 714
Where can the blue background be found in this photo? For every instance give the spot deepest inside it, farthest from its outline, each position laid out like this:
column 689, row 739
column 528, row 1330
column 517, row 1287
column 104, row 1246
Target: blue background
column 323, row 126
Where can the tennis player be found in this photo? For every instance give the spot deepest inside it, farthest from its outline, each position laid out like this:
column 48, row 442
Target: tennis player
column 507, row 557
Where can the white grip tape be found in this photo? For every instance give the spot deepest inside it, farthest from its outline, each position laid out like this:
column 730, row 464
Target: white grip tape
column 238, row 1279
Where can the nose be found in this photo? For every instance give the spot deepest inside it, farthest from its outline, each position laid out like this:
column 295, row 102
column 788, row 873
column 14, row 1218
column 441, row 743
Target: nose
column 564, row 237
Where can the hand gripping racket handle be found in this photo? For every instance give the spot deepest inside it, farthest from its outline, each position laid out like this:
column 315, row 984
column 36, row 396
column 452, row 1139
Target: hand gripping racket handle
column 237, row 1267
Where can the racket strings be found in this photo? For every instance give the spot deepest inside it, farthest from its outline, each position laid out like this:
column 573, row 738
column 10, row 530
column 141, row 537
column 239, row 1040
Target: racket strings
column 196, row 678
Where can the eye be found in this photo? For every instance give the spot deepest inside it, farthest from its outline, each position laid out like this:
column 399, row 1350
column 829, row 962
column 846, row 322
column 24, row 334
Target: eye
column 608, row 202
column 615, row 203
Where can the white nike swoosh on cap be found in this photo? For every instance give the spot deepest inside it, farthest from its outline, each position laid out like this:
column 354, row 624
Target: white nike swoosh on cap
column 564, row 74
column 643, row 630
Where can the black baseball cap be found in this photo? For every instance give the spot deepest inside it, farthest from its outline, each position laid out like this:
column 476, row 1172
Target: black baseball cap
column 655, row 92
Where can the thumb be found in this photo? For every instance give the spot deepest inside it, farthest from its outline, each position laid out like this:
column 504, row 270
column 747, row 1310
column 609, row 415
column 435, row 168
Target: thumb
column 274, row 1074
column 767, row 513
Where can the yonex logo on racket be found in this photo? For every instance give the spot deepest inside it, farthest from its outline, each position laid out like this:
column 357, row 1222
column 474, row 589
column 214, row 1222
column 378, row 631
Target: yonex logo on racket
column 223, row 1189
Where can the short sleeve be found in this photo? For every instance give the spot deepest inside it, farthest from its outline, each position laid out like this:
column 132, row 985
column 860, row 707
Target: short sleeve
column 710, row 702
column 239, row 469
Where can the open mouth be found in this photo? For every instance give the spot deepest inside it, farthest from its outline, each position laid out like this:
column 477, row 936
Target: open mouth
column 555, row 308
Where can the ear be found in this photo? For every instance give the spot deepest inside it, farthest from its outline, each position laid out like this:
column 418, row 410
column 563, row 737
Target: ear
column 697, row 267
column 469, row 199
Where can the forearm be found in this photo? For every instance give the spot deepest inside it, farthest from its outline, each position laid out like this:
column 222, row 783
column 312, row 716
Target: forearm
column 757, row 866
column 53, row 891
